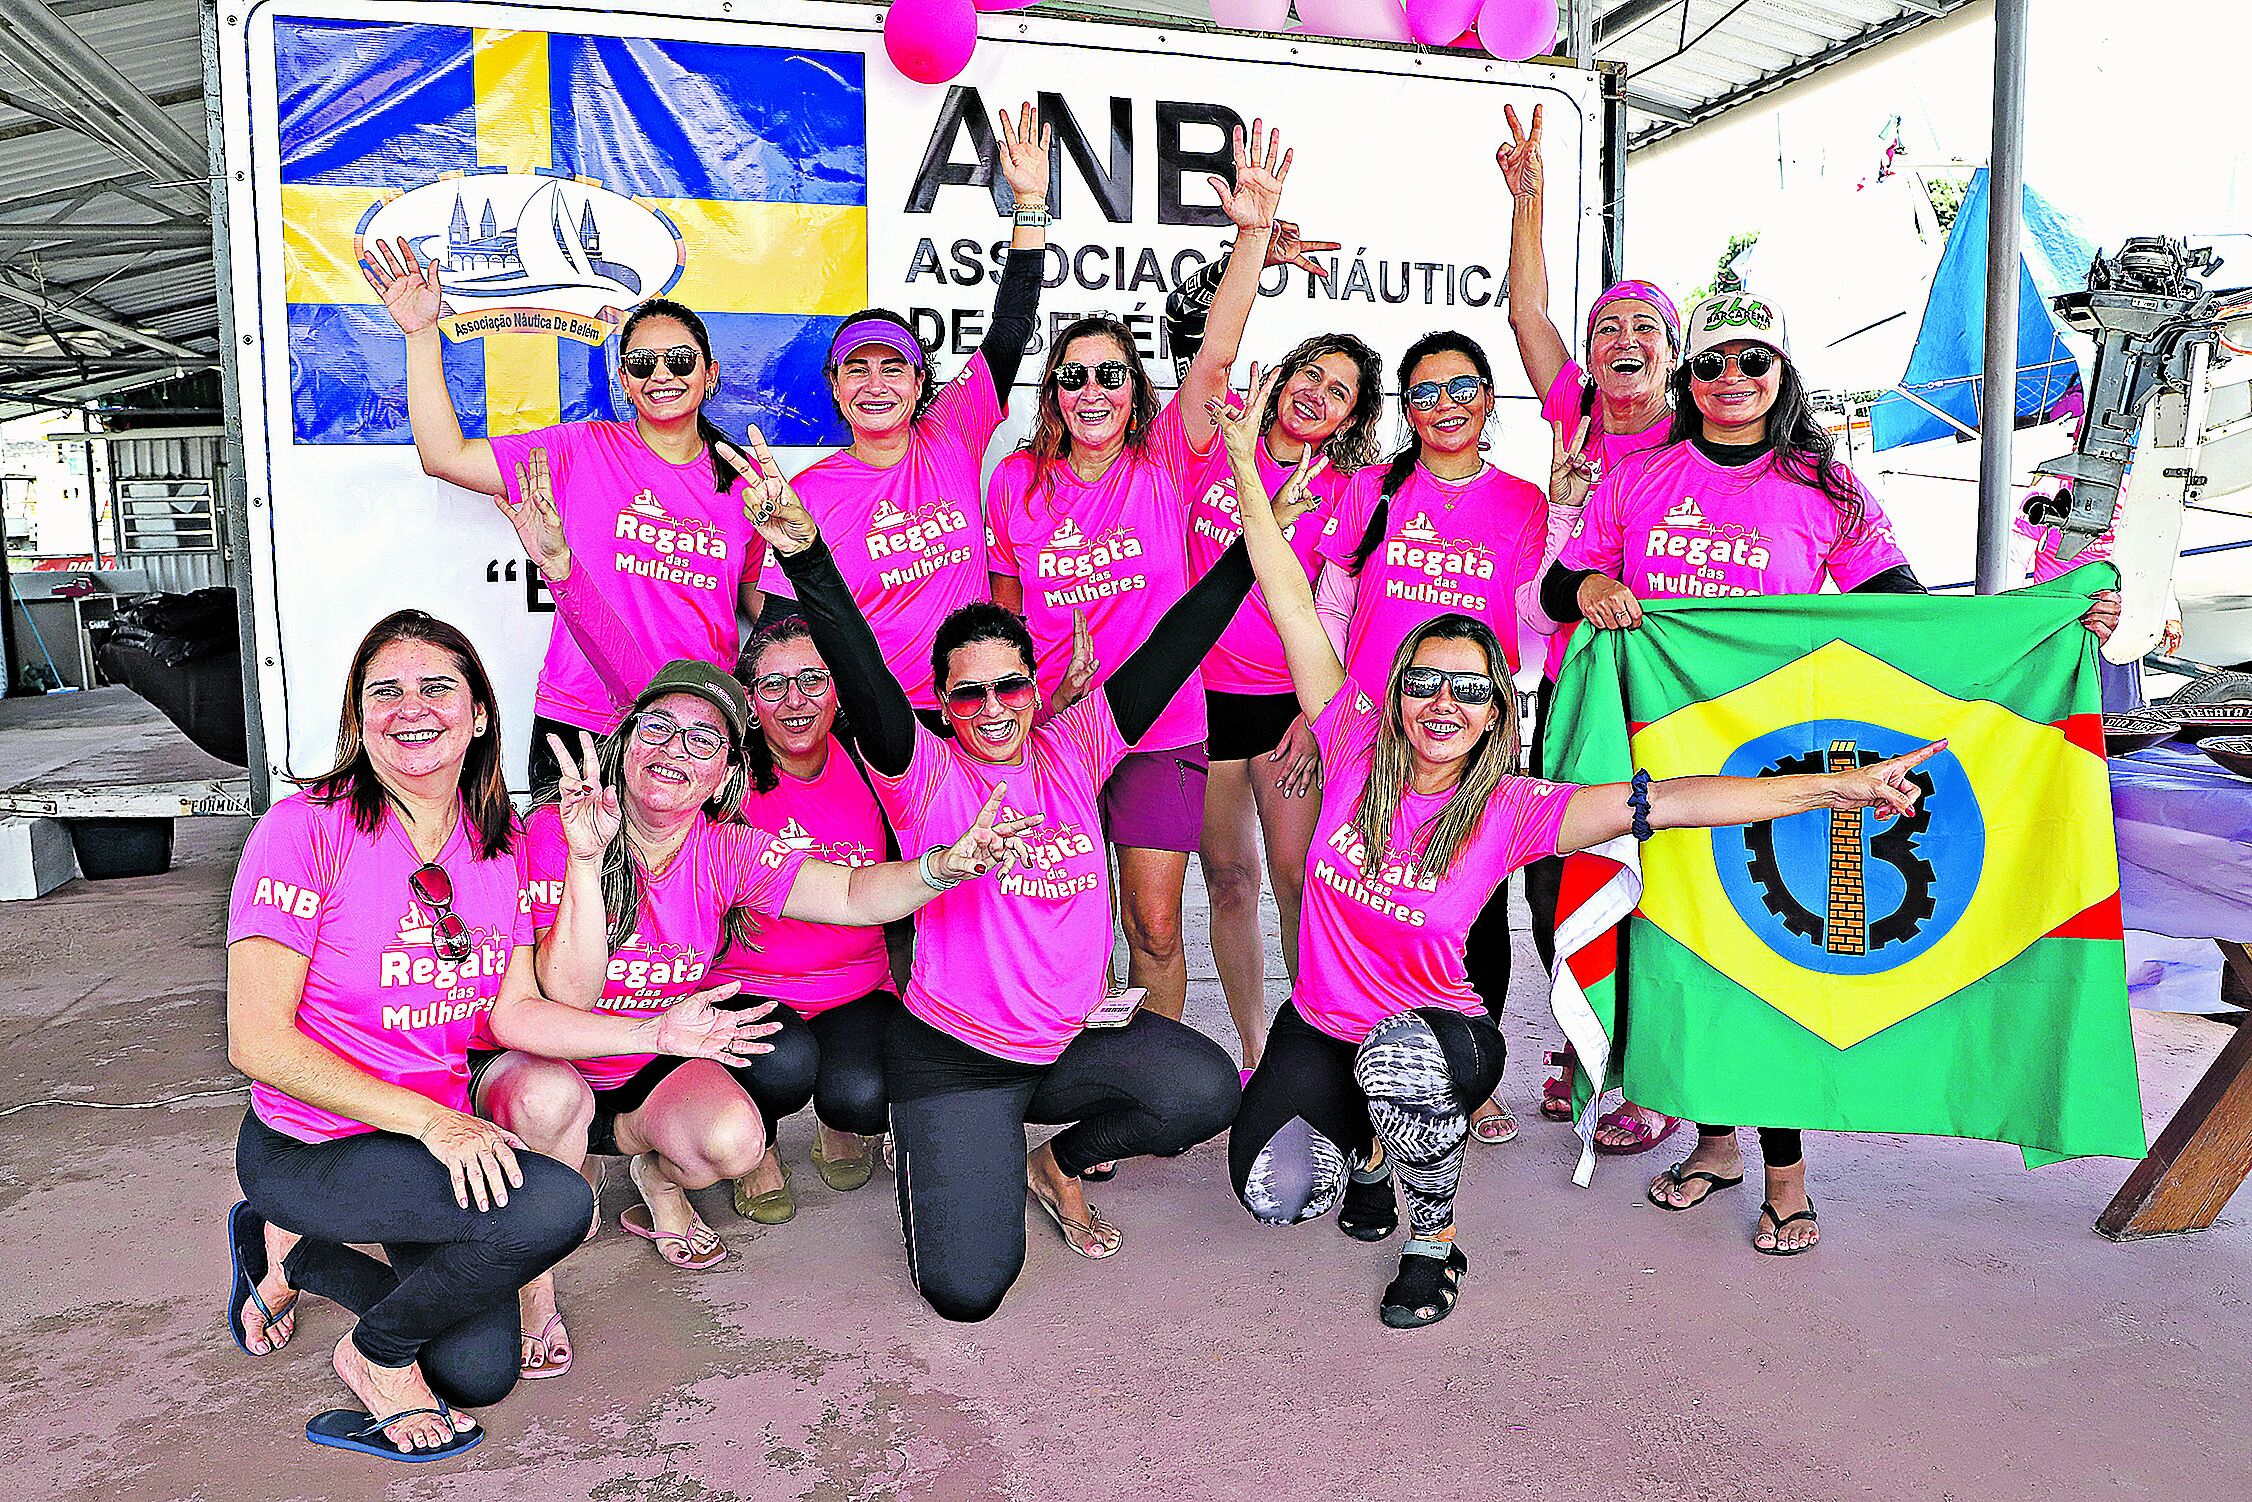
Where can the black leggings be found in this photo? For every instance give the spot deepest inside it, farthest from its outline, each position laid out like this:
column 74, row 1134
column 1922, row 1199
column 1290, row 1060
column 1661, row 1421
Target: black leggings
column 448, row 1297
column 958, row 1116
column 1316, row 1102
column 848, row 1080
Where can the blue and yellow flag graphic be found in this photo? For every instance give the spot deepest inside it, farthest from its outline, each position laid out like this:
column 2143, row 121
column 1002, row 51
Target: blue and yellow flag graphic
column 559, row 180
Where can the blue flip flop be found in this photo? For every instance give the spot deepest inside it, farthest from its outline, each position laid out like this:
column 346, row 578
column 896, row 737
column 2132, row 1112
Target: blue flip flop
column 351, row 1429
column 246, row 1242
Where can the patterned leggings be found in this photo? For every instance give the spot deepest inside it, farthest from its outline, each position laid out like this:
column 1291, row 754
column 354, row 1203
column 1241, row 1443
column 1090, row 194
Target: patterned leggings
column 1316, row 1102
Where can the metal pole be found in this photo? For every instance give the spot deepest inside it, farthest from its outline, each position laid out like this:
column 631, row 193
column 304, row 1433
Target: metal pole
column 2005, row 197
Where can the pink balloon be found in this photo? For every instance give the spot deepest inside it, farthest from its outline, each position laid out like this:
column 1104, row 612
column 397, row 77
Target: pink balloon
column 1369, row 20
column 930, row 40
column 1514, row 30
column 1251, row 15
column 1438, row 22
column 1006, row 4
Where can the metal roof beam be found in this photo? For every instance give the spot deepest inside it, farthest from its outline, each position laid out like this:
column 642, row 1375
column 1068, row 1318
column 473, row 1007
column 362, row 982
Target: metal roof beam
column 41, row 365
column 85, row 84
column 1623, row 18
column 89, row 318
column 119, row 236
column 1664, row 109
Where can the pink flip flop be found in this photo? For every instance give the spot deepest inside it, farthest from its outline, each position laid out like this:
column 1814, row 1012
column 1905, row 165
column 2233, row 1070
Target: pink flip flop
column 686, row 1260
column 539, row 1366
column 1645, row 1136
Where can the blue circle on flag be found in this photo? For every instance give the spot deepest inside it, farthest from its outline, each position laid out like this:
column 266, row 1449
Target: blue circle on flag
column 1850, row 894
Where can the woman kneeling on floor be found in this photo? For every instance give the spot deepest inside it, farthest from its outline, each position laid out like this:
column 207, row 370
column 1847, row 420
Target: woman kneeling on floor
column 377, row 920
column 1373, row 1068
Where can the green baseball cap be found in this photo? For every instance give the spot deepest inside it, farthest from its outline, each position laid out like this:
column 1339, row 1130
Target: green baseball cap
column 715, row 686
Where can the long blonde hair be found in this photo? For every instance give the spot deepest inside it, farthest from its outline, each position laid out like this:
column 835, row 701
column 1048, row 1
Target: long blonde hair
column 1493, row 758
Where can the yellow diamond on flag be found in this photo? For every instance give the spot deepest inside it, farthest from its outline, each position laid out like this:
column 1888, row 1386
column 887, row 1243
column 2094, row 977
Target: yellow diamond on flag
column 1847, row 924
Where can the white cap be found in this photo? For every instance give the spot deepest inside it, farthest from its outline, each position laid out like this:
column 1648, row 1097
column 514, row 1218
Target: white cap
column 1729, row 316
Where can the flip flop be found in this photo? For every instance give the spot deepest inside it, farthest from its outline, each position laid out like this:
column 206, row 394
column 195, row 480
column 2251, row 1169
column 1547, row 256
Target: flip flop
column 351, row 1429
column 246, row 1246
column 689, row 1261
column 1681, row 1174
column 1767, row 1212
column 1105, row 1235
column 1556, row 1090
column 1496, row 1129
column 539, row 1366
column 1645, row 1135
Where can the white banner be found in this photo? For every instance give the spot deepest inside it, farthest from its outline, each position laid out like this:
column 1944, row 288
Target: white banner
column 769, row 168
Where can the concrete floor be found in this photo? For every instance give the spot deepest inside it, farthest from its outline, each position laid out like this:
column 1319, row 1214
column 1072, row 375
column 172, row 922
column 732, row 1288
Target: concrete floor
column 1961, row 1333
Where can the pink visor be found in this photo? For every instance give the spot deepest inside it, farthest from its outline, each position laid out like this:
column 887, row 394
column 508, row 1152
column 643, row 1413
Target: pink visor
column 875, row 331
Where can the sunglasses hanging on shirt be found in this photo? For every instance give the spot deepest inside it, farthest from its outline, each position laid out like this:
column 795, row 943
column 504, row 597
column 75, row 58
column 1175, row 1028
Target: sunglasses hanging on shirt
column 431, row 887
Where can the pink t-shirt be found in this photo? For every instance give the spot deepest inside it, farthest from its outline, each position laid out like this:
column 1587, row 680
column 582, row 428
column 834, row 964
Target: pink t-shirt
column 1449, row 545
column 718, row 867
column 1012, row 965
column 1673, row 525
column 909, row 540
column 1116, row 549
column 376, row 993
column 1374, row 944
column 669, row 553
column 812, row 967
column 1248, row 658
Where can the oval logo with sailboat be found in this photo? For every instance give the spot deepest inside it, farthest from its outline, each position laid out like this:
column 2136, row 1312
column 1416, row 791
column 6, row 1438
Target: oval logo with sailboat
column 538, row 252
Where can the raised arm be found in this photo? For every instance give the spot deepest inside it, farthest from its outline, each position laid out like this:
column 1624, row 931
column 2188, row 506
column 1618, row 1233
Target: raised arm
column 1539, row 343
column 1260, row 170
column 409, row 289
column 865, row 687
column 1316, row 671
column 573, row 958
column 1598, row 814
column 1022, row 146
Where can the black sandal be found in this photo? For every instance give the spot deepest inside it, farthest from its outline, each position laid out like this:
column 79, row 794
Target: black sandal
column 1370, row 1211
column 1099, row 1173
column 1767, row 1212
column 1681, row 1179
column 1423, row 1283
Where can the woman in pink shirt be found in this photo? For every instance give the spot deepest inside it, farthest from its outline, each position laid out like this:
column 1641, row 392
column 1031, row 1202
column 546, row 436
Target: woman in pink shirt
column 1003, row 1013
column 378, row 922
column 1622, row 396
column 1089, row 518
column 656, row 517
column 902, row 499
column 1746, row 498
column 1374, row 1067
column 1439, row 530
column 1263, row 758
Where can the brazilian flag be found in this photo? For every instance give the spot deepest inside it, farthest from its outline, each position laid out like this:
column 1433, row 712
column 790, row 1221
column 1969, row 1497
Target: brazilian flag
column 1959, row 973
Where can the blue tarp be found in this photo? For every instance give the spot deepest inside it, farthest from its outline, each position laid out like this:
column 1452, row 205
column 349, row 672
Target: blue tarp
column 1945, row 367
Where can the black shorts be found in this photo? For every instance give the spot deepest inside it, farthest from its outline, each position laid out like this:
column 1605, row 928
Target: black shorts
column 609, row 1105
column 1242, row 726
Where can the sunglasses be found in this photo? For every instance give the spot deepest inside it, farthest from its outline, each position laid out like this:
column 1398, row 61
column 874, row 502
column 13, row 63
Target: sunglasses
column 811, row 682
column 1462, row 390
column 435, row 890
column 1467, row 688
column 1111, row 375
column 655, row 728
column 681, row 360
column 965, row 701
column 1754, row 363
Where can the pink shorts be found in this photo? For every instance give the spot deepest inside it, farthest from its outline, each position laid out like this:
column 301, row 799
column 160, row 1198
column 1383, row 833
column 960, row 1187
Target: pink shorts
column 1155, row 800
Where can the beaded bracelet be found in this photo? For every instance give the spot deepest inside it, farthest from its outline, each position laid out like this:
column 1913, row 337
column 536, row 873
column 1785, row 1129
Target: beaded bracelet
column 1638, row 800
